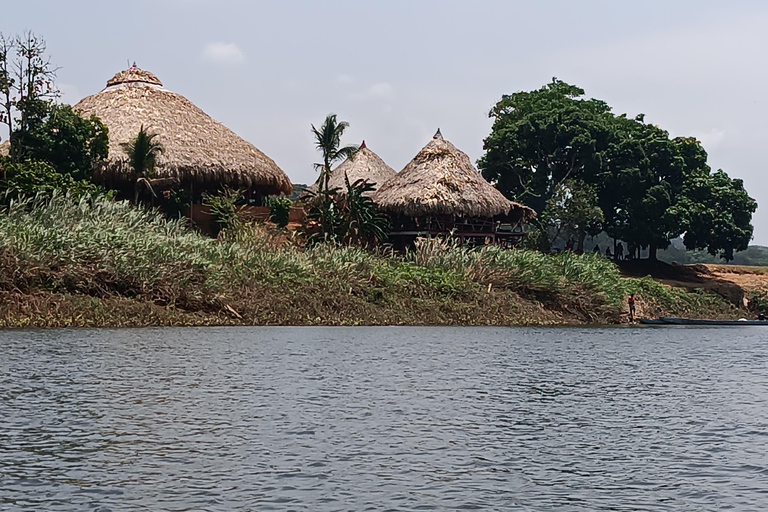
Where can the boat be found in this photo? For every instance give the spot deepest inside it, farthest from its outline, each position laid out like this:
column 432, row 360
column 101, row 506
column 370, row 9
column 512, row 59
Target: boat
column 670, row 320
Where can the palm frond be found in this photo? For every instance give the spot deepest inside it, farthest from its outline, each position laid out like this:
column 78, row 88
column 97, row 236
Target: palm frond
column 142, row 152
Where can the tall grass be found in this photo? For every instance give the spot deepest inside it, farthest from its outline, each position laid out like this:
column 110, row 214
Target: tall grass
column 589, row 282
column 95, row 246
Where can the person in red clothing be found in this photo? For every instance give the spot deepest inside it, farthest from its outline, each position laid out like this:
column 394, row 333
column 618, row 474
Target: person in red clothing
column 631, row 303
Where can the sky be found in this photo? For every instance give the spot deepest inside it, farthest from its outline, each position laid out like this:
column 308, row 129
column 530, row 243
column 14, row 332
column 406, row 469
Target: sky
column 396, row 70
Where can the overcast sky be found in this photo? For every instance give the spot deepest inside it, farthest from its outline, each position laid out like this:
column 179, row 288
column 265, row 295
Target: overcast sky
column 396, row 70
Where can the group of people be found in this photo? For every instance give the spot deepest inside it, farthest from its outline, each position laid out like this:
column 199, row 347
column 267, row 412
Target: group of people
column 619, row 252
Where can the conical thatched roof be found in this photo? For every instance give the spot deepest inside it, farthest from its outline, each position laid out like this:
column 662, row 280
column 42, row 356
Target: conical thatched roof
column 364, row 164
column 441, row 180
column 196, row 148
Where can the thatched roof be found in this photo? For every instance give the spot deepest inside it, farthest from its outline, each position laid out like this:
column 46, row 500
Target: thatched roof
column 196, row 148
column 441, row 180
column 5, row 148
column 364, row 164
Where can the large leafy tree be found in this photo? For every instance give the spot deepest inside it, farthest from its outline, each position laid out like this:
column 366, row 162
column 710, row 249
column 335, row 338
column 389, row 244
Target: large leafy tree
column 717, row 214
column 542, row 138
column 328, row 142
column 573, row 212
column 70, row 143
column 643, row 180
column 650, row 187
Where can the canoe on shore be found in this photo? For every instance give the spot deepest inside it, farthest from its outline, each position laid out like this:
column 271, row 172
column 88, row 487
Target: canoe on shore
column 668, row 320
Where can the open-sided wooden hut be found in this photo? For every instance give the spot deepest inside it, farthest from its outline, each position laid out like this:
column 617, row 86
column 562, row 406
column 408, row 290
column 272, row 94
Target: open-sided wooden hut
column 198, row 152
column 441, row 192
column 364, row 164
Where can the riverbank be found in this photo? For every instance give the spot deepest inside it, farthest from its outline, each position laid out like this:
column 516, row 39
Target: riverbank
column 99, row 263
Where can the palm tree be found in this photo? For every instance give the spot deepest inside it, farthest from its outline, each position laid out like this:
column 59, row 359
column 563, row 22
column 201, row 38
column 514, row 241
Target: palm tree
column 142, row 152
column 328, row 140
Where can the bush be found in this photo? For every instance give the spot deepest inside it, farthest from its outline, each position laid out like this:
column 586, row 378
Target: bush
column 223, row 210
column 176, row 203
column 352, row 219
column 36, row 178
column 280, row 210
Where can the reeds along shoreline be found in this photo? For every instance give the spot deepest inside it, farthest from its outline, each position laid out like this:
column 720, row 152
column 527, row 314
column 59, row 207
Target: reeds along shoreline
column 71, row 261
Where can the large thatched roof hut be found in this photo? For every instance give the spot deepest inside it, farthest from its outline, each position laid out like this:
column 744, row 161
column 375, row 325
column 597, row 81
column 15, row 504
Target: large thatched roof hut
column 364, row 165
column 441, row 191
column 198, row 151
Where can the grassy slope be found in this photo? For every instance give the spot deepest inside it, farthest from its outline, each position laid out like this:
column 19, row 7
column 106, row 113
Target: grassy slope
column 101, row 263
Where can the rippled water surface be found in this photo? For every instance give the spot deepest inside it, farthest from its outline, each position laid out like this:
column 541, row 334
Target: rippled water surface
column 384, row 419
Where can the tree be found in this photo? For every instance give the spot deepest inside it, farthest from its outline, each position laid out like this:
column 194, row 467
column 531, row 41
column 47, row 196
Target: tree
column 328, row 142
column 142, row 152
column 70, row 143
column 39, row 129
column 716, row 214
column 363, row 223
column 542, row 138
column 27, row 87
column 573, row 212
column 325, row 212
column 642, row 181
column 650, row 187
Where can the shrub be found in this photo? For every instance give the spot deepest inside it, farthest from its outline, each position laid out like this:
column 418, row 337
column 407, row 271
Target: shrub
column 175, row 203
column 280, row 210
column 37, row 178
column 223, row 209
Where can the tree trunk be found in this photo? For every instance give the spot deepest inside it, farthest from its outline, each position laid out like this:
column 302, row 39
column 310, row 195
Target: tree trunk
column 652, row 252
column 580, row 243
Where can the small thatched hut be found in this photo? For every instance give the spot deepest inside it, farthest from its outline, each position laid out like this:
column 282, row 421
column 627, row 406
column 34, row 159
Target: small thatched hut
column 364, row 164
column 199, row 152
column 440, row 192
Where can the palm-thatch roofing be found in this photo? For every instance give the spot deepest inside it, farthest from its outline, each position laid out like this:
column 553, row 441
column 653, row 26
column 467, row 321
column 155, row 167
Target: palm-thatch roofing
column 196, row 148
column 364, row 165
column 441, row 180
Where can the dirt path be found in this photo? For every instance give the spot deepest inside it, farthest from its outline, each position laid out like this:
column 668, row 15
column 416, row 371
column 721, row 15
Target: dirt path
column 733, row 282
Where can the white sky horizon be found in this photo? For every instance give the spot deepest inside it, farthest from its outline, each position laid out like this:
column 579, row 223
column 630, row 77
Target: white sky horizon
column 398, row 70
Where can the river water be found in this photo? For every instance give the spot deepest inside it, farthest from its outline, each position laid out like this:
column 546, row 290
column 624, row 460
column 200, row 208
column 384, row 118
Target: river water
column 374, row 419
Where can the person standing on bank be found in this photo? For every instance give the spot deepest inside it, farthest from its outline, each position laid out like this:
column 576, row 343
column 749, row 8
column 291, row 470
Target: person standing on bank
column 631, row 303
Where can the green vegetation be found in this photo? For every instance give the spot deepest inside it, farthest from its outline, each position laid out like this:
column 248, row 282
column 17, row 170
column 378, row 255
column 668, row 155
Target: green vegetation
column 572, row 213
column 35, row 178
column 651, row 188
column 223, row 209
column 64, row 248
column 328, row 142
column 280, row 210
column 351, row 217
column 51, row 147
column 142, row 152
